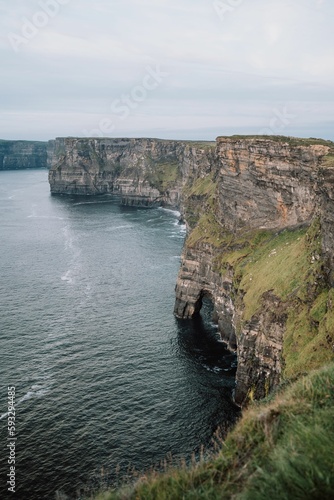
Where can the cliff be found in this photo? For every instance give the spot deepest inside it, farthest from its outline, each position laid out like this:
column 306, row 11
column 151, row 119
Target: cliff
column 143, row 171
column 259, row 212
column 15, row 155
column 261, row 249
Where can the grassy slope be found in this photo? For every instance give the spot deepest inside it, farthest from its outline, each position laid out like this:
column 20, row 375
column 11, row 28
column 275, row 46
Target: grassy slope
column 282, row 449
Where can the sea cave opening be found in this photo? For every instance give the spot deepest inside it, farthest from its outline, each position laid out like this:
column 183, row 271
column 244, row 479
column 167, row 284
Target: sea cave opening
column 205, row 308
column 203, row 347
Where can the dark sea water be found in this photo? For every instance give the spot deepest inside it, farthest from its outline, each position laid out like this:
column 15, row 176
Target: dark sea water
column 106, row 378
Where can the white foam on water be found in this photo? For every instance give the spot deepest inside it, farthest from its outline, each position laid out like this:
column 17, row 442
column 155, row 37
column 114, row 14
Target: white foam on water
column 213, row 369
column 74, row 253
column 67, row 277
column 175, row 212
column 42, row 392
column 127, row 226
column 68, row 238
column 35, row 390
column 26, row 397
column 90, row 203
column 44, row 217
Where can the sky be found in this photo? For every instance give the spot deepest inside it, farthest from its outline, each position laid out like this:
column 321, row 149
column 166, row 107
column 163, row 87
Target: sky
column 171, row 69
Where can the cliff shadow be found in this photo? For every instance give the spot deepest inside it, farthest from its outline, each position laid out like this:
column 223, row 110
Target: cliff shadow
column 201, row 344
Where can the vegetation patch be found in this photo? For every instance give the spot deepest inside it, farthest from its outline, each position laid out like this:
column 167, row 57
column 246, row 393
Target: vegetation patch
column 163, row 175
column 278, row 264
column 207, row 231
column 291, row 141
column 328, row 161
column 200, row 208
column 203, row 186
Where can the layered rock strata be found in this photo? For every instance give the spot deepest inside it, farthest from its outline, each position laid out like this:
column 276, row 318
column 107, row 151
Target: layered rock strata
column 18, row 155
column 142, row 171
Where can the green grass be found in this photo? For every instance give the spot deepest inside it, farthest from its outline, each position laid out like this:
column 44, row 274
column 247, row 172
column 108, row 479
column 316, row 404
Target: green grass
column 201, row 144
column 278, row 264
column 163, row 175
column 309, row 337
column 328, row 161
column 288, row 264
column 291, row 141
column 203, row 186
column 199, row 201
column 207, row 231
column 281, row 449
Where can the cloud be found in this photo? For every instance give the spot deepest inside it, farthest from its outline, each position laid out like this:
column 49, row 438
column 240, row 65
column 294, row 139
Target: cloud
column 229, row 72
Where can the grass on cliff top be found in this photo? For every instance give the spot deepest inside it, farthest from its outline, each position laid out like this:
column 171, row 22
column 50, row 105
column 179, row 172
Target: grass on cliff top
column 201, row 144
column 292, row 141
column 280, row 449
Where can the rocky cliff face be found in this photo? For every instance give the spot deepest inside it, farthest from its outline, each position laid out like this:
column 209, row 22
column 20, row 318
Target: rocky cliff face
column 143, row 171
column 260, row 187
column 15, row 155
column 267, row 184
column 248, row 204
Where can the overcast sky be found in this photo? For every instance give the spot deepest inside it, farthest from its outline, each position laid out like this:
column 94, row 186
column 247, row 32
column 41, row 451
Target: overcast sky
column 184, row 69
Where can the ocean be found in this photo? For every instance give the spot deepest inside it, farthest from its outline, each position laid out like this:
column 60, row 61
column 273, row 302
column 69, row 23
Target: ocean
column 108, row 383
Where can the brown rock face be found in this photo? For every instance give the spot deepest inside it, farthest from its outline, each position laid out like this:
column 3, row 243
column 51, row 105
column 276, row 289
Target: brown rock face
column 326, row 192
column 143, row 171
column 267, row 184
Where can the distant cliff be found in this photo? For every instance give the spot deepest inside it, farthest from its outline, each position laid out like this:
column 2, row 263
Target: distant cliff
column 17, row 155
column 260, row 244
column 143, row 171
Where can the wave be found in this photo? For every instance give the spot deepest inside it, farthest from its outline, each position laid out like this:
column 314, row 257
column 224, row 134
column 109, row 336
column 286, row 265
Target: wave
column 127, row 226
column 90, row 203
column 170, row 210
column 213, row 369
